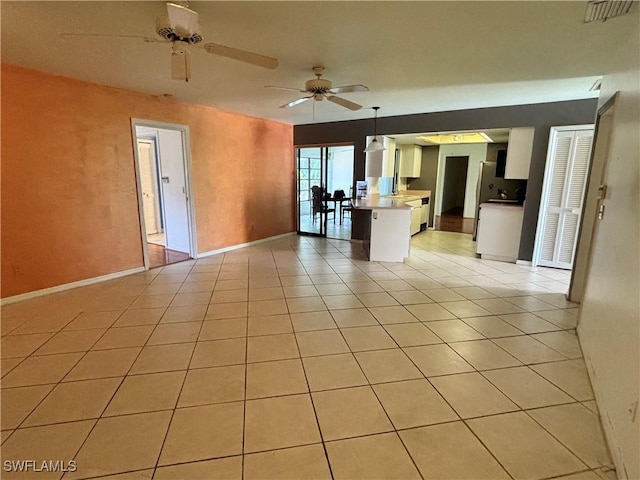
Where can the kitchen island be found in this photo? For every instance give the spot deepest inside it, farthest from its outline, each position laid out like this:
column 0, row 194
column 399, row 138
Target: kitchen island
column 387, row 229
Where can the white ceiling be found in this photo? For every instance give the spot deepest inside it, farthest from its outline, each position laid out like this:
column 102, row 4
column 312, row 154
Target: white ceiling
column 414, row 56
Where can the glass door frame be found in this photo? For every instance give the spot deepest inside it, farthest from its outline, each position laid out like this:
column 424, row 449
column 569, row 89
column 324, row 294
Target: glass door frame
column 301, row 187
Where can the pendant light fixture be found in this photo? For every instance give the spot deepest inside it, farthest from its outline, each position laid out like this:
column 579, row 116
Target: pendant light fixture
column 375, row 145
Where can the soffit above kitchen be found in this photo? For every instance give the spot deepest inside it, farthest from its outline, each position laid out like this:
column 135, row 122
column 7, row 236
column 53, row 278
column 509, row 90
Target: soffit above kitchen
column 459, row 137
column 415, row 57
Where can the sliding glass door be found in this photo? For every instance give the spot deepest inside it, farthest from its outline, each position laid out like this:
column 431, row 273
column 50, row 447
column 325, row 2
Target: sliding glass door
column 311, row 169
column 324, row 182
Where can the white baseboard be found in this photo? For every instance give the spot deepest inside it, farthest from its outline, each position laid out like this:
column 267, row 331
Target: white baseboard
column 498, row 258
column 69, row 286
column 524, row 262
column 242, row 245
column 112, row 276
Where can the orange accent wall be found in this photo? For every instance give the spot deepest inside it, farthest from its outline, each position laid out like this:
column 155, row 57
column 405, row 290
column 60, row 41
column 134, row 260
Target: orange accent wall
column 69, row 201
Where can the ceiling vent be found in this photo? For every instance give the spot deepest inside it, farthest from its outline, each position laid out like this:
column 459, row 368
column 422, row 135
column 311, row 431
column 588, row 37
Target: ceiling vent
column 605, row 9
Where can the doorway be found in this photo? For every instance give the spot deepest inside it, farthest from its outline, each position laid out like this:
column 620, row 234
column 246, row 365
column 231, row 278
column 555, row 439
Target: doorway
column 324, row 188
column 164, row 199
column 150, row 186
column 453, row 193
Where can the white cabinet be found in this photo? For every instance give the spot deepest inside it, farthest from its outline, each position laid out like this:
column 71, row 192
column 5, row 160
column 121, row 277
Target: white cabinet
column 519, row 153
column 416, row 215
column 424, row 216
column 499, row 229
column 390, row 234
column 410, row 161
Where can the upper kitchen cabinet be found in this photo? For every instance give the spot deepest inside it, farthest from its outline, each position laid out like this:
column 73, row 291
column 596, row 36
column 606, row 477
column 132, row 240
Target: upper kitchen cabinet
column 519, row 153
column 410, row 161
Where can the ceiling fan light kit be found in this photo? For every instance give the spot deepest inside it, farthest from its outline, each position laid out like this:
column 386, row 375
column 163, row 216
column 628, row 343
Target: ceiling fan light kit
column 375, row 145
column 179, row 24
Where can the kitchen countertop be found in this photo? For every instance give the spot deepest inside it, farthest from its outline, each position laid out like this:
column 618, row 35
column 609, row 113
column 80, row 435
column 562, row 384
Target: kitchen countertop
column 415, row 193
column 391, row 201
column 501, row 205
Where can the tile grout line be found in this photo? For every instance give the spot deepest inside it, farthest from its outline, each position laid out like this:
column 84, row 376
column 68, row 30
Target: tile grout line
column 184, row 381
column 246, row 375
column 294, row 333
column 60, row 381
column 315, row 412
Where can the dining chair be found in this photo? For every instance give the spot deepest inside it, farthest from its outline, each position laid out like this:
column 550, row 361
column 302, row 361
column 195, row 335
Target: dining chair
column 345, row 209
column 318, row 204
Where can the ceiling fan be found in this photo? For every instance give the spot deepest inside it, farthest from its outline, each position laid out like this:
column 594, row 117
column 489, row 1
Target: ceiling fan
column 319, row 89
column 180, row 27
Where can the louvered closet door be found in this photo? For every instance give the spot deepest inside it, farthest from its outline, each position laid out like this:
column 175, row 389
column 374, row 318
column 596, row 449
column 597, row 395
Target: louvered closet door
column 565, row 181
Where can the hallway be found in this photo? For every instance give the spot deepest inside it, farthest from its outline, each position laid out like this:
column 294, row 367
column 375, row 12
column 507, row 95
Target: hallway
column 454, row 221
column 298, row 358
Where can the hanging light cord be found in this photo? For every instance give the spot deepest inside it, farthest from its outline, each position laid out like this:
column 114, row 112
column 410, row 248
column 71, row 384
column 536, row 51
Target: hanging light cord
column 375, row 122
column 375, row 145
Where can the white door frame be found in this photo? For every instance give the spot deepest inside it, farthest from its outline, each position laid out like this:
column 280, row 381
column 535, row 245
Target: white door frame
column 537, row 246
column 186, row 151
column 597, row 172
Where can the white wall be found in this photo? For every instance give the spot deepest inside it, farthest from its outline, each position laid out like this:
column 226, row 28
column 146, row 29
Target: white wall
column 477, row 152
column 381, row 162
column 609, row 322
column 340, row 174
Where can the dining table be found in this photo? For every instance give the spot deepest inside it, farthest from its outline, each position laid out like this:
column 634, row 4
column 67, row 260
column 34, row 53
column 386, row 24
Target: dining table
column 338, row 204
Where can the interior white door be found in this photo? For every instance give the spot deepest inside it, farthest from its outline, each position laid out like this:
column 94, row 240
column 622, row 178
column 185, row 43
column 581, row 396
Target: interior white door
column 174, row 190
column 148, row 183
column 563, row 196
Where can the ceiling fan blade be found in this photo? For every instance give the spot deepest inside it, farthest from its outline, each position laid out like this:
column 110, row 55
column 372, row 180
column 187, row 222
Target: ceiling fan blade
column 296, row 102
column 343, row 102
column 242, row 55
column 71, row 36
column 285, row 88
column 350, row 88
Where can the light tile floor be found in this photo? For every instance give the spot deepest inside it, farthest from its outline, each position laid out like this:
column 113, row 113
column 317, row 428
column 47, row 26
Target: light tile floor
column 335, row 230
column 300, row 359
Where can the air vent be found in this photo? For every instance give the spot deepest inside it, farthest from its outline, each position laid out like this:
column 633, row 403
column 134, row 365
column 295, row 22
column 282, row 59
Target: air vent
column 605, row 9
